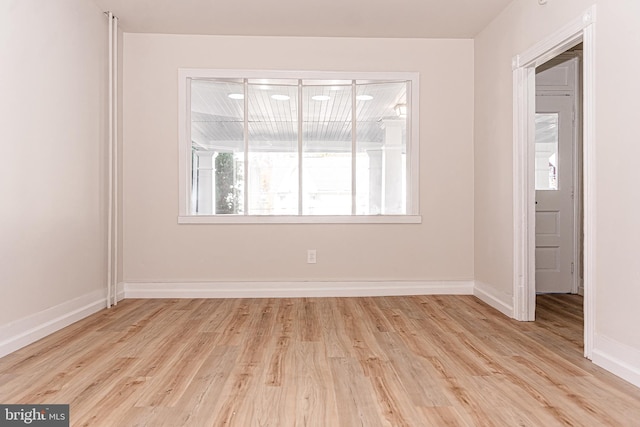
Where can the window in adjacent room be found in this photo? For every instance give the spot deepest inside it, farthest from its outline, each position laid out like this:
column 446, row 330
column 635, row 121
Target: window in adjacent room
column 298, row 147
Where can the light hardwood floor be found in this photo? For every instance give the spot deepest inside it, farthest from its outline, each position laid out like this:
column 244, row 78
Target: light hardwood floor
column 388, row 361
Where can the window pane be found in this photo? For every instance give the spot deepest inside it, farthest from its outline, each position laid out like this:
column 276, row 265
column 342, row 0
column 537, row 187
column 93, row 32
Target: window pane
column 273, row 149
column 326, row 162
column 217, row 141
column 269, row 144
column 381, row 148
column 546, row 151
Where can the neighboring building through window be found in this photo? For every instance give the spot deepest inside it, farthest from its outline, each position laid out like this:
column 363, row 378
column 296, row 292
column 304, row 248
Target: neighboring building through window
column 291, row 145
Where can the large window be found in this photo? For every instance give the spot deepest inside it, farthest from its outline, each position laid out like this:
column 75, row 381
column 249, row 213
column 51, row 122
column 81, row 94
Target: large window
column 298, row 147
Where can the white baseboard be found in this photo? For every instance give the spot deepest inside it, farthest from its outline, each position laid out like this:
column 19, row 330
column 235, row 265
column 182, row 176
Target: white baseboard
column 499, row 300
column 620, row 359
column 617, row 358
column 22, row 332
column 293, row 289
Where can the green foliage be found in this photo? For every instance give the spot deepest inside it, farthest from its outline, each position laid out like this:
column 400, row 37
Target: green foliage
column 226, row 191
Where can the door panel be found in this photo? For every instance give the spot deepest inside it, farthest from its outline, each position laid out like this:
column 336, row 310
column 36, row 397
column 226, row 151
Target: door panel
column 554, row 194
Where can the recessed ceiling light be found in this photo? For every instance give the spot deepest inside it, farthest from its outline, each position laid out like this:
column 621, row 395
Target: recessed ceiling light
column 364, row 97
column 280, row 97
column 236, row 96
column 321, row 97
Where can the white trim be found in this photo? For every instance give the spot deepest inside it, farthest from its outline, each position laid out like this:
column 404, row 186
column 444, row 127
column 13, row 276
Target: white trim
column 294, row 289
column 589, row 188
column 296, row 74
column 617, row 358
column 30, row 329
column 524, row 92
column 116, row 169
column 557, row 43
column 110, row 164
column 499, row 300
column 184, row 116
column 524, row 65
column 302, row 219
column 413, row 148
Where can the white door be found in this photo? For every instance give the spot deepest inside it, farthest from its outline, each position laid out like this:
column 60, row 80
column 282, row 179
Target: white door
column 554, row 194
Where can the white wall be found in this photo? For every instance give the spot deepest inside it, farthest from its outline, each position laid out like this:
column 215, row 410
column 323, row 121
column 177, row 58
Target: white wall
column 52, row 186
column 157, row 249
column 520, row 26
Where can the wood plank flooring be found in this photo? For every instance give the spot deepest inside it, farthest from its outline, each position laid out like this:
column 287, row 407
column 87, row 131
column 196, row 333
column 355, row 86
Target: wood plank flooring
column 387, row 361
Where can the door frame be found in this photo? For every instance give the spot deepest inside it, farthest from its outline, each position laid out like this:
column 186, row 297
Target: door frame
column 581, row 29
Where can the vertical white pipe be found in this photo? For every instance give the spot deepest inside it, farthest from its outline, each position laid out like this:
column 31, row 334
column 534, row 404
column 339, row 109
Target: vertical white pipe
column 110, row 163
column 115, row 160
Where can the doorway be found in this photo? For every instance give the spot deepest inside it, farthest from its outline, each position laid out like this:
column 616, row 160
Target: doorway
column 557, row 180
column 580, row 30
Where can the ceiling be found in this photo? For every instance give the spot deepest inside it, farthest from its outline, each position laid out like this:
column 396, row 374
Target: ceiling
column 217, row 119
column 307, row 18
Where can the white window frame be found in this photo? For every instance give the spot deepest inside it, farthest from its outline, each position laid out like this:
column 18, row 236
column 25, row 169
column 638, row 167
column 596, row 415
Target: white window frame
column 184, row 148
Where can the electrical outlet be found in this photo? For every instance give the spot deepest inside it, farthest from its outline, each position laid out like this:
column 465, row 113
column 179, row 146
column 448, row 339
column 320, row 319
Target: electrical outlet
column 311, row 256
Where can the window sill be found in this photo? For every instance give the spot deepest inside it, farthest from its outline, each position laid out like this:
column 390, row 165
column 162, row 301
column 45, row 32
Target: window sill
column 302, row 219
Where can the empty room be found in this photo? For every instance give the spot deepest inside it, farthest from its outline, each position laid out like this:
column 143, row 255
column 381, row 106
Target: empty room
column 288, row 213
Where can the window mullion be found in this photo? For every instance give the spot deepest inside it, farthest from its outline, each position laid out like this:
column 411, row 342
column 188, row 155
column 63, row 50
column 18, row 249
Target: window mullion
column 246, row 146
column 353, row 146
column 409, row 207
column 300, row 129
